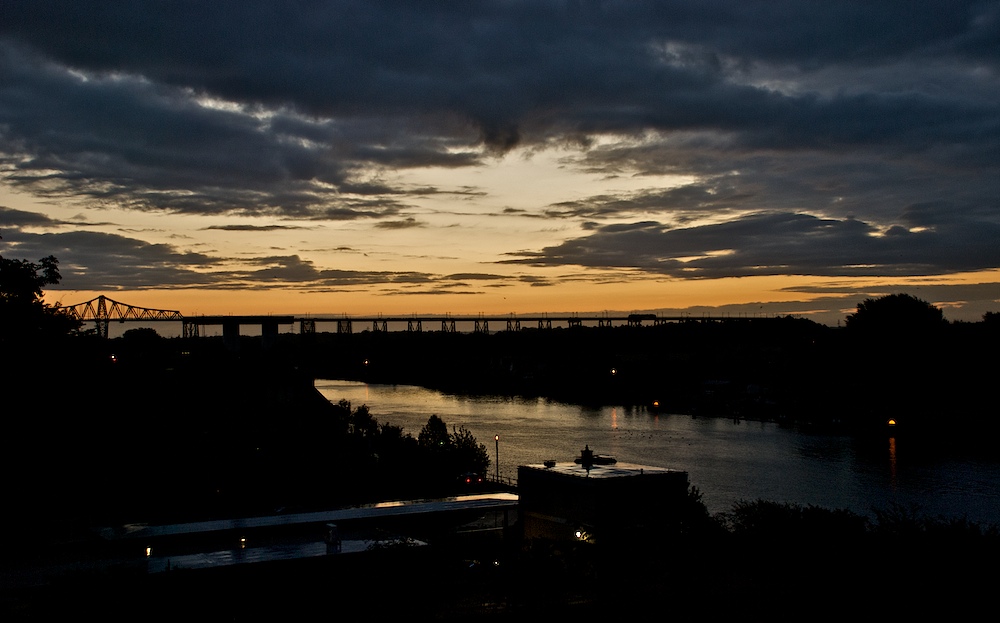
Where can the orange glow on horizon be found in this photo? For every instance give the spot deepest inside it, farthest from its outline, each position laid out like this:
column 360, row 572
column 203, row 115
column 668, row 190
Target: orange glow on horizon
column 584, row 295
column 628, row 294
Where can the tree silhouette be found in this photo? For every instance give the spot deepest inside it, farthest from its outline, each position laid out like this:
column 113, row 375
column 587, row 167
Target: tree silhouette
column 895, row 313
column 24, row 316
column 447, row 455
column 469, row 453
column 434, row 433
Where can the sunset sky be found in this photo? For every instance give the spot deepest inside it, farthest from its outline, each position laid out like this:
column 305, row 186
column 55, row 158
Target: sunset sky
column 508, row 157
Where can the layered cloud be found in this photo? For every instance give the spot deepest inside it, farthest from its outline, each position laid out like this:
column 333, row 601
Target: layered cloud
column 806, row 245
column 831, row 139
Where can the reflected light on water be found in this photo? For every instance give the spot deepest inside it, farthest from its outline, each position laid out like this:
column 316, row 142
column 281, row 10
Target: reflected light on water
column 892, row 454
column 892, row 462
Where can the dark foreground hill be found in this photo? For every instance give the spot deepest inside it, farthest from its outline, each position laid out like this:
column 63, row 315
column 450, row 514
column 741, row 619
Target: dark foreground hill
column 152, row 430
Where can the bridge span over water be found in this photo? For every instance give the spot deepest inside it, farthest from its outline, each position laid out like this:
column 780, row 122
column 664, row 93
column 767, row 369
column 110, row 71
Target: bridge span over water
column 103, row 310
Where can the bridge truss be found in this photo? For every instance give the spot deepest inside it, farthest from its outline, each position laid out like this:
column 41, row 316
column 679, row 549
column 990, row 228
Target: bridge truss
column 102, row 310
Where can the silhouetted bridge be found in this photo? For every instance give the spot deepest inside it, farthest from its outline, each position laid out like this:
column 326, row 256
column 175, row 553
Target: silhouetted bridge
column 103, row 310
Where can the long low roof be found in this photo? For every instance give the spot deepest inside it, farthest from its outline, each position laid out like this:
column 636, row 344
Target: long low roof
column 486, row 501
column 614, row 470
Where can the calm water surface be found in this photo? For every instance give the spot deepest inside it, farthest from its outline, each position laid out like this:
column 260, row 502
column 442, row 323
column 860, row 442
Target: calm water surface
column 728, row 461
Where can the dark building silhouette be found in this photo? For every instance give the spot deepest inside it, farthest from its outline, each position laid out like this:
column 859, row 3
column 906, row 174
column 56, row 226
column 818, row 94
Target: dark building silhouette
column 597, row 499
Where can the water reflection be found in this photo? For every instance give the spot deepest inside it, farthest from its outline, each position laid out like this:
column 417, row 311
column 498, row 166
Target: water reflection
column 892, row 462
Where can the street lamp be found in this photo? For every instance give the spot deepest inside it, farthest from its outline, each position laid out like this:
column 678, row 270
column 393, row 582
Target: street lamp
column 496, row 438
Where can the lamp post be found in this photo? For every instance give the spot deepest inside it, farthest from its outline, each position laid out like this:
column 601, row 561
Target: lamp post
column 496, row 438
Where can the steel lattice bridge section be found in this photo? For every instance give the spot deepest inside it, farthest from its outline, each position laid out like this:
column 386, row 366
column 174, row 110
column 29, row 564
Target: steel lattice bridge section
column 103, row 310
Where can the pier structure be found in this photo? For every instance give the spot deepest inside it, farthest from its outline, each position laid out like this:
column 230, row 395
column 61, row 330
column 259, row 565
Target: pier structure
column 231, row 327
column 481, row 323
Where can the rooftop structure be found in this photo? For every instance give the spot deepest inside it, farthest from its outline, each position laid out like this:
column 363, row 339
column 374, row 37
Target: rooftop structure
column 597, row 498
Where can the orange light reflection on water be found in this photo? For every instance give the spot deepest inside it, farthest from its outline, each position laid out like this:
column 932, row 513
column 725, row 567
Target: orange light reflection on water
column 892, row 461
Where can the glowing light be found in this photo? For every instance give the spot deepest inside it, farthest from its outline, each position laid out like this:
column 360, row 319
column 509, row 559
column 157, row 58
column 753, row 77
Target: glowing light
column 891, row 422
column 149, row 552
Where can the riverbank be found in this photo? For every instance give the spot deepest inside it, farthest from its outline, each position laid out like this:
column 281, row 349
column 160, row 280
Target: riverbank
column 782, row 369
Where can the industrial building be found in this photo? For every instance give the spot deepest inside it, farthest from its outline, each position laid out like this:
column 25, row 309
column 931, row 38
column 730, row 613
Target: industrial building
column 597, row 499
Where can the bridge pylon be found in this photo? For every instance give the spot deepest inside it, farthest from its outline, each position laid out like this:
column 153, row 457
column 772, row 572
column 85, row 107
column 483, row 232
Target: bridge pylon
column 102, row 310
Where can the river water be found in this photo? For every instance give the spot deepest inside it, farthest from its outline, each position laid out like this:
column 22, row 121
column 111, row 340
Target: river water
column 727, row 460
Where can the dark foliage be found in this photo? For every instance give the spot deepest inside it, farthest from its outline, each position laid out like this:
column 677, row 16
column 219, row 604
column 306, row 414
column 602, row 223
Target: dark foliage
column 768, row 520
column 446, row 456
column 895, row 314
column 27, row 323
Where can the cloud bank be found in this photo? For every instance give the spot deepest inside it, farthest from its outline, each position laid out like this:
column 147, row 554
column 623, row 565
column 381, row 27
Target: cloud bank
column 830, row 139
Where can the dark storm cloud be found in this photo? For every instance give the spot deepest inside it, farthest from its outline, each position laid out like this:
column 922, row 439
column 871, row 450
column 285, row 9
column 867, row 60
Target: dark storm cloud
column 781, row 244
column 855, row 114
column 827, row 182
column 119, row 138
column 98, row 261
column 16, row 219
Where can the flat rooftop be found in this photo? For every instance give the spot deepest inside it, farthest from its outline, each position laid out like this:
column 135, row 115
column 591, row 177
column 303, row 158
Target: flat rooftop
column 615, row 470
column 486, row 501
